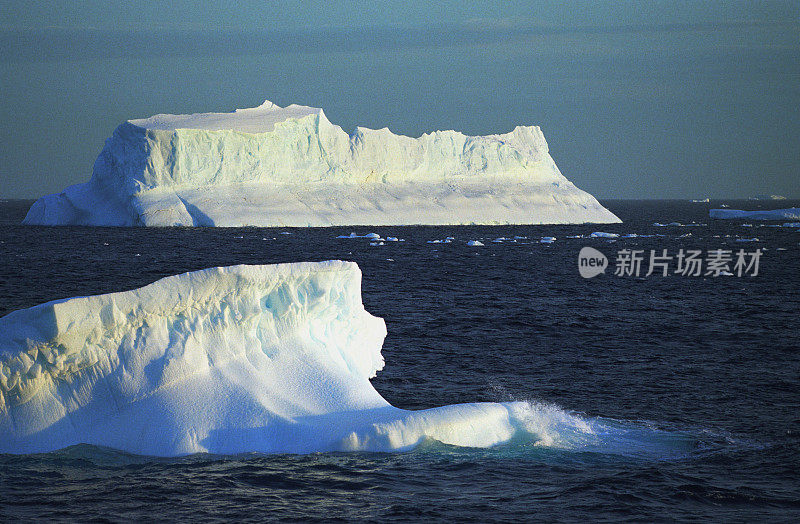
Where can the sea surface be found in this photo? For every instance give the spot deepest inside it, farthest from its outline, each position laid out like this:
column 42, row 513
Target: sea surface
column 706, row 369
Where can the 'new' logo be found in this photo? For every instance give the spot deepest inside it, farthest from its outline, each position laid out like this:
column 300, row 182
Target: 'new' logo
column 591, row 262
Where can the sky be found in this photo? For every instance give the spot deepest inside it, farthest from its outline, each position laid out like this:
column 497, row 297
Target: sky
column 654, row 99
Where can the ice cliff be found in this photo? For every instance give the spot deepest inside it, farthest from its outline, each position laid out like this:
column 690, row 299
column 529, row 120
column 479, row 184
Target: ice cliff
column 273, row 166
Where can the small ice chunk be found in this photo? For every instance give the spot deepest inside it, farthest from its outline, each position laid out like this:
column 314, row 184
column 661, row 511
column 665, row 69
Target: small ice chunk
column 547, row 240
column 791, row 224
column 747, row 240
column 601, row 234
column 475, row 243
column 371, row 236
column 395, row 239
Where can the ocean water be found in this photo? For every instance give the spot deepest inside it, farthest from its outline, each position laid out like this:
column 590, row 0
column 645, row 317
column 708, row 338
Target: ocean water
column 691, row 385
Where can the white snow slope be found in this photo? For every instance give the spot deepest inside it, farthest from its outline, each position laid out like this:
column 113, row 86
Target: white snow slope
column 228, row 360
column 273, row 166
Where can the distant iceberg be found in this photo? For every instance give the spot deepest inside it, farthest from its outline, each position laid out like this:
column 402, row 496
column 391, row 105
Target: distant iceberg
column 792, row 213
column 274, row 166
column 767, row 197
column 271, row 359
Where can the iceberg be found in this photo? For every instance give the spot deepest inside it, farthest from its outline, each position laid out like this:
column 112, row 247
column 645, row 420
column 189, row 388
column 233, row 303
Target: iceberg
column 290, row 166
column 271, row 359
column 792, row 213
column 767, row 197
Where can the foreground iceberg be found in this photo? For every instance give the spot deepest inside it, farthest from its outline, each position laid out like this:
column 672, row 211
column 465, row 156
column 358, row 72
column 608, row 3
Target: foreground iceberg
column 273, row 166
column 241, row 359
column 792, row 213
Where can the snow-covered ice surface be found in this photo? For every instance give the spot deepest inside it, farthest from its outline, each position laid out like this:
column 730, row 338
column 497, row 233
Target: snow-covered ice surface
column 261, row 119
column 273, row 359
column 792, row 213
column 273, row 166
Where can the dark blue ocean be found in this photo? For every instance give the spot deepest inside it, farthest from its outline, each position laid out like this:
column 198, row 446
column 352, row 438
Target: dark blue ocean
column 710, row 365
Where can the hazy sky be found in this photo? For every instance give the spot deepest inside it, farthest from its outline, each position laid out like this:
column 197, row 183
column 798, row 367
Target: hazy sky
column 672, row 99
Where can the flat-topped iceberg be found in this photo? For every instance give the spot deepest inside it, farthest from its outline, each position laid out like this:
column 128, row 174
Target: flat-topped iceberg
column 273, row 166
column 792, row 213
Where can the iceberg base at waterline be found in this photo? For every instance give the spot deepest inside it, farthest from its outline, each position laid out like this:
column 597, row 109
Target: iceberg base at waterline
column 465, row 202
column 270, row 359
column 792, row 213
